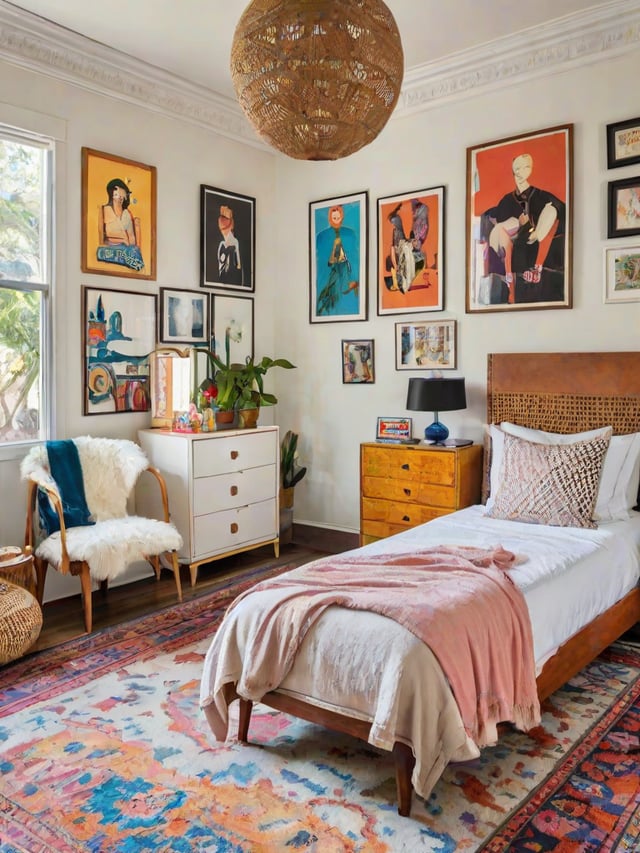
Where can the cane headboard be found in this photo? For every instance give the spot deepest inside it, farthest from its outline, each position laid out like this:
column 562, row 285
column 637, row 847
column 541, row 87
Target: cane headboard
column 565, row 392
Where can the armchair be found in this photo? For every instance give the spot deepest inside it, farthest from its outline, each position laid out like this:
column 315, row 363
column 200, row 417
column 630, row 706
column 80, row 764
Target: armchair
column 102, row 539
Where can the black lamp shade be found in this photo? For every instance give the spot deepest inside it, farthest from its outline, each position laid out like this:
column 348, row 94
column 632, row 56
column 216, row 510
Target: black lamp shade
column 436, row 395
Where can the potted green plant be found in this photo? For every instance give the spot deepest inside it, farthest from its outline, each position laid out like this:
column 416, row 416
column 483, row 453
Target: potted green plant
column 290, row 472
column 240, row 386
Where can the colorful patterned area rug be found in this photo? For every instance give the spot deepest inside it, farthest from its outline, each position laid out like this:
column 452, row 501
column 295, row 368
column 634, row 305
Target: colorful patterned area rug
column 103, row 748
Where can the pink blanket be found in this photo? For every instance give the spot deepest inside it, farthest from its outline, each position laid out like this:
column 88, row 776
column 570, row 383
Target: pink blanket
column 459, row 601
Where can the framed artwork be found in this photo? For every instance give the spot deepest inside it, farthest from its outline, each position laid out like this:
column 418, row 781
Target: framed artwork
column 232, row 327
column 624, row 208
column 623, row 143
column 428, row 345
column 118, row 216
column 338, row 258
column 411, row 252
column 184, row 316
column 393, row 429
column 358, row 362
column 622, row 274
column 118, row 337
column 519, row 215
column 227, row 240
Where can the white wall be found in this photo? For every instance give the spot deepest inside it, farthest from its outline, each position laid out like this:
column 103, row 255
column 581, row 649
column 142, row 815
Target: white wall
column 418, row 151
column 185, row 157
column 425, row 150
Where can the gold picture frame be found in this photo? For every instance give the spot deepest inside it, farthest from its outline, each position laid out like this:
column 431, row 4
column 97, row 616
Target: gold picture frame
column 118, row 216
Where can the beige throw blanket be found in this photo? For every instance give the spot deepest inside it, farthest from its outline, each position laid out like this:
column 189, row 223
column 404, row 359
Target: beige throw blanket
column 459, row 601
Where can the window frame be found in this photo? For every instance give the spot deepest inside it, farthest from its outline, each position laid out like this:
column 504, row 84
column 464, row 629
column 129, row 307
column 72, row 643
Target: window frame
column 15, row 449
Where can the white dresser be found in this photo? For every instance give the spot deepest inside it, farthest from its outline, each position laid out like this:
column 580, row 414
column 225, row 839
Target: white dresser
column 222, row 487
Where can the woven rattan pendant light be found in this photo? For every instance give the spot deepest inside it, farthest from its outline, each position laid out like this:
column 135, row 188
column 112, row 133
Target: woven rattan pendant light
column 317, row 79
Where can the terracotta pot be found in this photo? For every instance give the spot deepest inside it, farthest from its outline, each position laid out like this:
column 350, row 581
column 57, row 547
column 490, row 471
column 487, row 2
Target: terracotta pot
column 248, row 418
column 224, row 420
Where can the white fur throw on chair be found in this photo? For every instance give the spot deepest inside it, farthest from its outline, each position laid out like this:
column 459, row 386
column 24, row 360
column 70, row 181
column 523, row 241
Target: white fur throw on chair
column 110, row 469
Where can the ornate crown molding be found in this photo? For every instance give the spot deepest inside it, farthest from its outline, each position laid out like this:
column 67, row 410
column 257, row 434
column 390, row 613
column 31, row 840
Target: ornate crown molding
column 600, row 33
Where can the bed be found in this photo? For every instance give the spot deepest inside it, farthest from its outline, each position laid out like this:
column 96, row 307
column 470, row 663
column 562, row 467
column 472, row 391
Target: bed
column 406, row 704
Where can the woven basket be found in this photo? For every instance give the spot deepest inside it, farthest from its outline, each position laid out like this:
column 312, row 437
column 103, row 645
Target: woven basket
column 317, row 79
column 20, row 621
column 16, row 566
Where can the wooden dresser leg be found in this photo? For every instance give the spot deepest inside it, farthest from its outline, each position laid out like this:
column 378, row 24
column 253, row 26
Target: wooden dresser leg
column 405, row 763
column 246, row 707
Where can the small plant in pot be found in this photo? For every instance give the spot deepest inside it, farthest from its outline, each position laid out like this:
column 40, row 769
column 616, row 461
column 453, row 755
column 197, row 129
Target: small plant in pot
column 290, row 472
column 251, row 384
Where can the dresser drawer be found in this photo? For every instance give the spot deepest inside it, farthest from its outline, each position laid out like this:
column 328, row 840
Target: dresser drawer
column 233, row 529
column 429, row 466
column 409, row 490
column 233, row 453
column 224, row 491
column 404, row 514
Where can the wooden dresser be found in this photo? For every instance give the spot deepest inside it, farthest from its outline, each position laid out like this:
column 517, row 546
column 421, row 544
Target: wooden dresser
column 222, row 487
column 405, row 485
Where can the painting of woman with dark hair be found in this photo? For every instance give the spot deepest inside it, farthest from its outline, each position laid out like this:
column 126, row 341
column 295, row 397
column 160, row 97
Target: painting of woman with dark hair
column 118, row 230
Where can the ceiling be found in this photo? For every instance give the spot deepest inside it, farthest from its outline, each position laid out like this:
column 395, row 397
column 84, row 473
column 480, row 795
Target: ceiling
column 192, row 38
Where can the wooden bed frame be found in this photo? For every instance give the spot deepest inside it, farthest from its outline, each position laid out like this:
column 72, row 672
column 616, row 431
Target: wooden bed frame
column 556, row 392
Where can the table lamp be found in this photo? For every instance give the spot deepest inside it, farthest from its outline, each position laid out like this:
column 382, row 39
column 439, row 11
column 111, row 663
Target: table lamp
column 436, row 395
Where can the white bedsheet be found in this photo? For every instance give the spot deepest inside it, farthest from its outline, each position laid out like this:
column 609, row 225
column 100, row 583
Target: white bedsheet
column 368, row 666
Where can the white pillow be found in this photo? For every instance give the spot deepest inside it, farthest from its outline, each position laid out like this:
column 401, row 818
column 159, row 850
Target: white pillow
column 618, row 489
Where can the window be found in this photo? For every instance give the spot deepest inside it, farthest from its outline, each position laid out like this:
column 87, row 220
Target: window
column 25, row 286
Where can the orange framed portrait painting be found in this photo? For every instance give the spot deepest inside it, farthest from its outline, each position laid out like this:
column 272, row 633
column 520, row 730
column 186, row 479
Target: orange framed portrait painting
column 118, row 216
column 411, row 252
column 519, row 214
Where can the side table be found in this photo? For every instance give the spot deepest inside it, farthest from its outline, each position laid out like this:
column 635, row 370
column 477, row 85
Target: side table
column 16, row 566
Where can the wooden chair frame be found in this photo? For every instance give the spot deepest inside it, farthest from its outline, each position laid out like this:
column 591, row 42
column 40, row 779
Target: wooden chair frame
column 81, row 567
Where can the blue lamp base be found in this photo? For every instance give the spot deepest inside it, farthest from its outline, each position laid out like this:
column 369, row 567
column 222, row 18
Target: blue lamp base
column 436, row 433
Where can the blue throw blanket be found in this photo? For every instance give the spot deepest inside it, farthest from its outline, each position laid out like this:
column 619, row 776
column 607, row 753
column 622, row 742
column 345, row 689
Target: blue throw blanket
column 64, row 464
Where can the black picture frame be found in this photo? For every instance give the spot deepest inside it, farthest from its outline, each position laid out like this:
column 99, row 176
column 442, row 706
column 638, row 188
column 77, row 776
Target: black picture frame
column 623, row 215
column 229, row 263
column 623, row 143
column 184, row 316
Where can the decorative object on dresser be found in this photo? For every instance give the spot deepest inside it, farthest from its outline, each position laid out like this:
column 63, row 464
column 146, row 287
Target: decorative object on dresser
column 437, row 395
column 82, row 525
column 401, row 486
column 223, row 489
column 319, row 80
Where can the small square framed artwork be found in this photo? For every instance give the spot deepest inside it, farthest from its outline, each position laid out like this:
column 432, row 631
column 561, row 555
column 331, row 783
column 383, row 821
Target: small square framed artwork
column 427, row 345
column 624, row 208
column 358, row 362
column 184, row 316
column 623, row 143
column 622, row 274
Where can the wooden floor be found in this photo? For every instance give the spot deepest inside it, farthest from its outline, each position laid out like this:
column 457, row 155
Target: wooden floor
column 63, row 619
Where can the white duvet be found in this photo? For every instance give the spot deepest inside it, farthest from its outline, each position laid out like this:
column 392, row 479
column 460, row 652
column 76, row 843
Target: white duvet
column 369, row 667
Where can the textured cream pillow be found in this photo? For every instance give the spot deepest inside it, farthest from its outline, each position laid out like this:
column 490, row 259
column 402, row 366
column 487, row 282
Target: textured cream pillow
column 618, row 489
column 554, row 484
